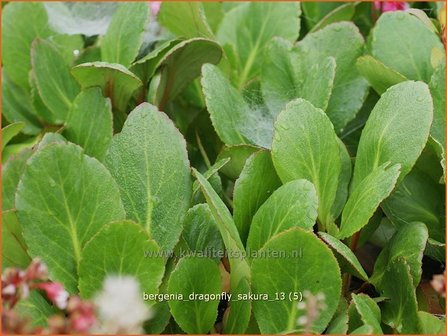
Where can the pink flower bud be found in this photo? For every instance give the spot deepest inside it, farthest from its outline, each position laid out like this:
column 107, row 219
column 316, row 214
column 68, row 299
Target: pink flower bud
column 390, row 6
column 155, row 7
column 55, row 292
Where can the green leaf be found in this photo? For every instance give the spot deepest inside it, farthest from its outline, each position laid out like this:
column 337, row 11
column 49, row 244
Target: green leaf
column 195, row 276
column 409, row 243
column 430, row 324
column 366, row 198
column 95, row 136
column 288, row 73
column 346, row 258
column 437, row 89
column 314, row 12
column 116, row 81
column 10, row 131
column 294, row 204
column 295, row 271
column 68, row 46
column 14, row 250
column 36, row 308
column 123, row 248
column 21, row 24
column 368, row 311
column 64, row 197
column 344, row 12
column 237, row 321
column 343, row 180
column 379, row 76
column 11, row 172
column 249, row 27
column 211, row 174
column 396, row 131
column 400, row 310
column 55, row 85
column 249, row 194
column 339, row 322
column 184, row 19
column 238, row 155
column 146, row 66
column 124, row 36
column 344, row 42
column 17, row 106
column 228, row 110
column 418, row 198
column 148, row 160
column 183, row 63
column 200, row 233
column 404, row 43
column 239, row 315
column 305, row 147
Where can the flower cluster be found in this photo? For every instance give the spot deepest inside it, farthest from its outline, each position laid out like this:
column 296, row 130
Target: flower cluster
column 390, row 6
column 311, row 306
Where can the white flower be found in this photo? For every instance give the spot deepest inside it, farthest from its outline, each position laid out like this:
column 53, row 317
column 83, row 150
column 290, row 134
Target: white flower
column 120, row 306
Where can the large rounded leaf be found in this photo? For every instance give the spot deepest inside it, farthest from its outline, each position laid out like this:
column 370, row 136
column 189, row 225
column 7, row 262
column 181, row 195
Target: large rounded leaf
column 63, row 199
column 404, row 43
column 305, row 146
column 198, row 281
column 305, row 264
column 396, row 131
column 123, row 248
column 148, row 159
column 293, row 204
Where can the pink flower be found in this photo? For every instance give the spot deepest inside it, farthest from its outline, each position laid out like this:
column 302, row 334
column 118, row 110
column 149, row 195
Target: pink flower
column 82, row 314
column 55, row 292
column 155, row 7
column 390, row 6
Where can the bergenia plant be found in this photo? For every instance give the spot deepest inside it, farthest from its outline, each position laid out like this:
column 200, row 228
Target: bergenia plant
column 223, row 167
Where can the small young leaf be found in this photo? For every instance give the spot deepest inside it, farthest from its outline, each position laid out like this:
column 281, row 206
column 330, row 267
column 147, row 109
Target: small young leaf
column 396, row 131
column 409, row 243
column 36, row 308
column 430, row 324
column 238, row 155
column 200, row 232
column 249, row 193
column 368, row 311
column 148, row 160
column 10, row 131
column 195, row 276
column 344, row 12
column 257, row 23
column 305, row 147
column 22, row 22
column 437, row 89
column 14, row 249
column 184, row 19
column 64, row 197
column 379, row 76
column 183, row 63
column 12, row 170
column 294, row 204
column 418, row 198
column 346, row 258
column 116, row 81
column 123, row 249
column 95, row 136
column 404, row 43
column 343, row 180
column 400, row 310
column 294, row 272
column 344, row 42
column 17, row 106
column 124, row 36
column 366, row 198
column 56, row 86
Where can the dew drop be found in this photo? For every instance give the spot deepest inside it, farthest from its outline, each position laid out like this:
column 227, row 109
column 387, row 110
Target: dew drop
column 51, row 182
column 76, row 52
